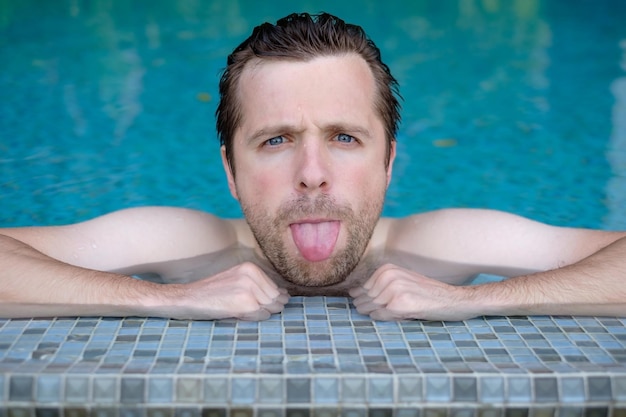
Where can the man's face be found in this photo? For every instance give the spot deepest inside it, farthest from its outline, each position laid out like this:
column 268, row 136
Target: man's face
column 310, row 164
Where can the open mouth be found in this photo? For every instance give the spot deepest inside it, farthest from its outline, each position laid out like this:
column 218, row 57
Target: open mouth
column 315, row 239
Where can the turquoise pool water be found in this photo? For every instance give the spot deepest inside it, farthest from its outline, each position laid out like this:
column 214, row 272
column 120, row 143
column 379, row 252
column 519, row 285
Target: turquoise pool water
column 515, row 105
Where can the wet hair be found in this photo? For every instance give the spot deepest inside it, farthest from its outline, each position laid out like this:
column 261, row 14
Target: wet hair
column 303, row 37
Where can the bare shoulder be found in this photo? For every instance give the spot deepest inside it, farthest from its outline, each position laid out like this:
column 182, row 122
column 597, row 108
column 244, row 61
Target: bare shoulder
column 493, row 238
column 131, row 236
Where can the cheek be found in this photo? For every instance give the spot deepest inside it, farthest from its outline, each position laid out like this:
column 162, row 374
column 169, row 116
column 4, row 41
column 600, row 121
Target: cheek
column 260, row 187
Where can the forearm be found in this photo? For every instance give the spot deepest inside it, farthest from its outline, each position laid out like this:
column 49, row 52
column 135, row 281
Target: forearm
column 594, row 286
column 35, row 285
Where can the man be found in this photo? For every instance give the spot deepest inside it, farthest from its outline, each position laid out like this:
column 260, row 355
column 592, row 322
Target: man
column 307, row 121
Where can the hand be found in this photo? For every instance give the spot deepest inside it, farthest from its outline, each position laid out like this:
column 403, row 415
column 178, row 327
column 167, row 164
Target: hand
column 243, row 291
column 394, row 293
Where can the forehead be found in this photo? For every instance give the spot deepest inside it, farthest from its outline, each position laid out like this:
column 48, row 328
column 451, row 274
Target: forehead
column 331, row 89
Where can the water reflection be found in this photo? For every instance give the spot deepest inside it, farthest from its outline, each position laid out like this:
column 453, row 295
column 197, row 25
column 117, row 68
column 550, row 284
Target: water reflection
column 616, row 188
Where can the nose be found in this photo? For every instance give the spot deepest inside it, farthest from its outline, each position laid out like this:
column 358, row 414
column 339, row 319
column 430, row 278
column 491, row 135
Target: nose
column 312, row 168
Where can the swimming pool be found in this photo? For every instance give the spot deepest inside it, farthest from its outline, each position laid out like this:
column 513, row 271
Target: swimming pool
column 514, row 105
column 510, row 105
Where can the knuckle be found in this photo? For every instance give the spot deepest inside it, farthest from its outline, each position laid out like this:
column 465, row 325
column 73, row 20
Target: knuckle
column 247, row 268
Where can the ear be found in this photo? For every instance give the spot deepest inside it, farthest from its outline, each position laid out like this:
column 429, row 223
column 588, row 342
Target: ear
column 229, row 174
column 392, row 157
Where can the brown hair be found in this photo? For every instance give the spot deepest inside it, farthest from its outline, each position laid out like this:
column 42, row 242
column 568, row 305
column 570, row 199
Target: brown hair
column 304, row 37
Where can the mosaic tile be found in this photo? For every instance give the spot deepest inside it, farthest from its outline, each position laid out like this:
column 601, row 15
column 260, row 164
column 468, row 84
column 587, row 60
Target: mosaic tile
column 243, row 390
column 48, row 389
column 326, row 390
column 329, row 356
column 438, row 389
column 21, row 388
column 271, row 390
column 572, row 389
column 353, row 389
column 519, row 390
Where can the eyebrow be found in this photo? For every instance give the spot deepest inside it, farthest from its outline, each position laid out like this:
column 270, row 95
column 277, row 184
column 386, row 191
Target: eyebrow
column 272, row 131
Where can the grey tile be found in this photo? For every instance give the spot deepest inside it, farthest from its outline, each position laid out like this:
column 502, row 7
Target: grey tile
column 189, row 390
column 21, row 388
column 77, row 389
column 266, row 412
column 216, row 390
column 410, row 388
column 160, row 390
column 326, row 390
column 353, row 412
column 380, row 390
column 124, row 412
column 105, row 389
column 103, row 412
column 48, row 389
column 132, row 390
column 325, row 412
column 159, row 412
column 464, row 389
column 271, row 390
column 353, row 390
column 619, row 387
column 298, row 390
column 599, row 388
column 546, row 390
column 407, row 412
column 187, row 412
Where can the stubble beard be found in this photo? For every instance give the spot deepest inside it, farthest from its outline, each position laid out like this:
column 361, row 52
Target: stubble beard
column 269, row 232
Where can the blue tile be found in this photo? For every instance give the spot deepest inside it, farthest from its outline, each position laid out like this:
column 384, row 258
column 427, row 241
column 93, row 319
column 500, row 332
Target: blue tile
column 572, row 389
column 105, row 389
column 353, row 390
column 491, row 390
column 519, row 390
column 546, row 390
column 410, row 388
column 271, row 390
column 326, row 390
column 380, row 390
column 619, row 388
column 216, row 390
column 243, row 390
column 48, row 389
column 438, row 388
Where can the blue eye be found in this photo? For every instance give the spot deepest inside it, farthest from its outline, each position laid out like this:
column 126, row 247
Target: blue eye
column 342, row 137
column 275, row 141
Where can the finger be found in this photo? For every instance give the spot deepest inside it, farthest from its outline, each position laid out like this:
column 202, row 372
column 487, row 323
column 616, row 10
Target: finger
column 362, row 299
column 367, row 307
column 258, row 315
column 276, row 306
column 357, row 292
column 257, row 282
column 384, row 315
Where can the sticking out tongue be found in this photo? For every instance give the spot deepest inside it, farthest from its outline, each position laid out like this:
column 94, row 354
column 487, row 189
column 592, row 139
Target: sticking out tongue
column 315, row 241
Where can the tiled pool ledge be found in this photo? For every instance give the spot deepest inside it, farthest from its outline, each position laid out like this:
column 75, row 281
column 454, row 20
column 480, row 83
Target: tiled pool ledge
column 318, row 358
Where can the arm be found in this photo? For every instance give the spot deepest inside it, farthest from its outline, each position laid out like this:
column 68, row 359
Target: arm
column 60, row 271
column 579, row 272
